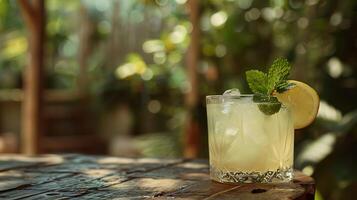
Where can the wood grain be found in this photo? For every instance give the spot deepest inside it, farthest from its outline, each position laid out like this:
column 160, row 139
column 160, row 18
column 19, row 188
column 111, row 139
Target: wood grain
column 100, row 177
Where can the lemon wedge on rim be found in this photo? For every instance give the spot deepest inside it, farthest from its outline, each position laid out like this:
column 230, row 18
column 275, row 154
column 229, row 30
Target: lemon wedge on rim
column 303, row 101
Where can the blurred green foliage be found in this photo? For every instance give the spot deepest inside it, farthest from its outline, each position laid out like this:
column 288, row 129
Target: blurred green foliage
column 13, row 45
column 137, row 57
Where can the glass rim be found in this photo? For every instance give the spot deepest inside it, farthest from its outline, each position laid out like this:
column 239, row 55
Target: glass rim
column 219, row 98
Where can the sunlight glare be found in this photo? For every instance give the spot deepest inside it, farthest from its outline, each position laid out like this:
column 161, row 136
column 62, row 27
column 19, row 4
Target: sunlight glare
column 334, row 67
column 219, row 18
column 152, row 46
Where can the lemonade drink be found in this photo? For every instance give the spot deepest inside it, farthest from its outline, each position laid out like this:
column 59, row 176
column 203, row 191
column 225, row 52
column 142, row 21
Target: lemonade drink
column 247, row 145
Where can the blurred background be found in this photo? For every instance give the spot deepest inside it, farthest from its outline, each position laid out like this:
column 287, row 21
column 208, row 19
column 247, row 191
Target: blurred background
column 129, row 78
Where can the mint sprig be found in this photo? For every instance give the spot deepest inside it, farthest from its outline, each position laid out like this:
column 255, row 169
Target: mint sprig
column 265, row 84
column 278, row 74
column 267, row 104
column 275, row 80
column 257, row 81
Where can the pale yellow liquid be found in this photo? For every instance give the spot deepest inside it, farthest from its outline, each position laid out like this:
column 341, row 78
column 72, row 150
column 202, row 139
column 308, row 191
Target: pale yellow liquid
column 243, row 139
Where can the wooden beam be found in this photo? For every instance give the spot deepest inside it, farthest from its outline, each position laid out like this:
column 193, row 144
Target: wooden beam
column 193, row 53
column 34, row 16
column 192, row 138
column 28, row 12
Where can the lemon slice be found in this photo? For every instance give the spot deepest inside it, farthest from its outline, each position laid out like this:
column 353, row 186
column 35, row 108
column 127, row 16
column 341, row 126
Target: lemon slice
column 303, row 101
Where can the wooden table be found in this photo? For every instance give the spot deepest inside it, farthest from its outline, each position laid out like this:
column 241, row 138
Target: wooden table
column 100, row 177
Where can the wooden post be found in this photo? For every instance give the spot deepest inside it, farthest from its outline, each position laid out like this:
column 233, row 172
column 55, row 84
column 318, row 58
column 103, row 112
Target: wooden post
column 113, row 55
column 86, row 31
column 192, row 138
column 34, row 15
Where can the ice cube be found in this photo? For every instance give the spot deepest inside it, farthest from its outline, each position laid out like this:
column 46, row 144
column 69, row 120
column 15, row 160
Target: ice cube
column 227, row 107
column 227, row 103
column 231, row 131
column 232, row 92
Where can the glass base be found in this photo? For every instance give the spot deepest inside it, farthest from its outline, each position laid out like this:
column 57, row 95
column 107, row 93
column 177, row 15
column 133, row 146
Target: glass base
column 278, row 176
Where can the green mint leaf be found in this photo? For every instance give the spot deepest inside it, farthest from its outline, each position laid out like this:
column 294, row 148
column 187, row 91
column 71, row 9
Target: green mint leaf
column 278, row 73
column 267, row 104
column 257, row 81
column 284, row 86
column 261, row 98
column 269, row 109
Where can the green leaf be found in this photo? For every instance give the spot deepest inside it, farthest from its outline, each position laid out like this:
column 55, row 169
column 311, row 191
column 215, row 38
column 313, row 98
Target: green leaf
column 284, row 86
column 278, row 72
column 267, row 104
column 257, row 81
column 269, row 108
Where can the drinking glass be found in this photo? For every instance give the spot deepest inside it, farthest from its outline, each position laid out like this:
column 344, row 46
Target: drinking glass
column 247, row 145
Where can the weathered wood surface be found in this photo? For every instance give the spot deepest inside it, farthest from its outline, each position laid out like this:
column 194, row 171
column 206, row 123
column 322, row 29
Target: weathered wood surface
column 99, row 177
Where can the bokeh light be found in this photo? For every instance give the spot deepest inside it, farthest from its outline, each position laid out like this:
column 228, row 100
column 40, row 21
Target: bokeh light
column 219, row 18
